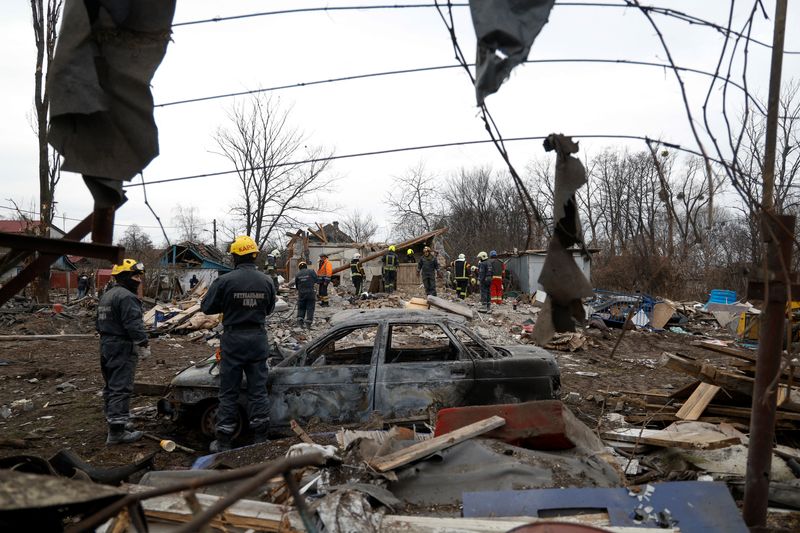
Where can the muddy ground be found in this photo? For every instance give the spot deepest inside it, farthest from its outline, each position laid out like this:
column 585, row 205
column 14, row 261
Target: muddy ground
column 69, row 416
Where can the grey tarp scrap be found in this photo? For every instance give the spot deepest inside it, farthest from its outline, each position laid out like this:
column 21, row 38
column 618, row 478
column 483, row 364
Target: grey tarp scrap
column 101, row 108
column 482, row 464
column 562, row 279
column 505, row 30
column 347, row 511
column 19, row 491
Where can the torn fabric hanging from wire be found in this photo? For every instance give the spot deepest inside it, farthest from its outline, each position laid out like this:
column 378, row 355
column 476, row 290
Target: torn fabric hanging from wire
column 101, row 111
column 562, row 279
column 505, row 30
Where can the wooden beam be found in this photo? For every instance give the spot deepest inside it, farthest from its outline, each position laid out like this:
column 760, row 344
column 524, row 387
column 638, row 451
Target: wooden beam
column 697, row 402
column 425, row 448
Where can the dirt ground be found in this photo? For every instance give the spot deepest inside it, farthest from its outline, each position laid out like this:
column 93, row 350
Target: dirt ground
column 36, row 370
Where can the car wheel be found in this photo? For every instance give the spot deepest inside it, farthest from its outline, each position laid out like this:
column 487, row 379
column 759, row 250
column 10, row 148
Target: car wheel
column 208, row 420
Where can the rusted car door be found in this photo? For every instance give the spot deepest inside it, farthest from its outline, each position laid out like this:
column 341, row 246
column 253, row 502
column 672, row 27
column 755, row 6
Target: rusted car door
column 422, row 368
column 334, row 382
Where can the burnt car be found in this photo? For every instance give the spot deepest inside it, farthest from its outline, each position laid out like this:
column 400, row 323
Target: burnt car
column 400, row 363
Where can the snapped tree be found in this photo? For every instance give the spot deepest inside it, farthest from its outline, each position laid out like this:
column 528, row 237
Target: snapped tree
column 280, row 176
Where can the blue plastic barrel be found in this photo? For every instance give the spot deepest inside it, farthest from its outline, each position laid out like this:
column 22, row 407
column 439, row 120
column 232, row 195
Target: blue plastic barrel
column 721, row 296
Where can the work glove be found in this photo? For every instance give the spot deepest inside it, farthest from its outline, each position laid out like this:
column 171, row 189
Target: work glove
column 143, row 352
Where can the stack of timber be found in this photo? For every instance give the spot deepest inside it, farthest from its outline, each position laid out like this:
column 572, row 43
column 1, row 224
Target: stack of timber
column 718, row 394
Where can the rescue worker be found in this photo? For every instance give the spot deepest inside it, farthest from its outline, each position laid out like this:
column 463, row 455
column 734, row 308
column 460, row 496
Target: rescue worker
column 484, row 279
column 357, row 272
column 498, row 269
column 304, row 281
column 193, row 282
column 427, row 268
column 83, row 285
column 123, row 341
column 461, row 275
column 389, row 270
column 271, row 267
column 245, row 296
column 410, row 256
column 473, row 279
column 324, row 272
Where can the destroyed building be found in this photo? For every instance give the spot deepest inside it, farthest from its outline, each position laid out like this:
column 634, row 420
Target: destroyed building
column 180, row 262
column 526, row 266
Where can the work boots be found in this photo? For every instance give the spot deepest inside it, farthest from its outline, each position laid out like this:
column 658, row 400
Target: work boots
column 307, row 324
column 117, row 434
column 223, row 443
column 261, row 434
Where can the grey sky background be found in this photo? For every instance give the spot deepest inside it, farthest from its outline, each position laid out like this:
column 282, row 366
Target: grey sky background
column 386, row 112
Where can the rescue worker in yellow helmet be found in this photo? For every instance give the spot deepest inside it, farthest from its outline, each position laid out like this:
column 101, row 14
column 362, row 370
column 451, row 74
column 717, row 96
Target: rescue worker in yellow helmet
column 389, row 269
column 245, row 296
column 123, row 341
column 410, row 256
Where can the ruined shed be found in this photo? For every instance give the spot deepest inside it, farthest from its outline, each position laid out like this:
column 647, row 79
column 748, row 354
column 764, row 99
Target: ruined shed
column 187, row 259
column 526, row 267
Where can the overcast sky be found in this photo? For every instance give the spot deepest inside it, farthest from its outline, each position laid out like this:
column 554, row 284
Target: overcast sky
column 384, row 112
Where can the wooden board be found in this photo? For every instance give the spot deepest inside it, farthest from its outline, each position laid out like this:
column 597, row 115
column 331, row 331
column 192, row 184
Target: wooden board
column 423, row 449
column 66, row 337
column 662, row 312
column 747, row 355
column 697, row 402
column 703, row 440
column 450, row 307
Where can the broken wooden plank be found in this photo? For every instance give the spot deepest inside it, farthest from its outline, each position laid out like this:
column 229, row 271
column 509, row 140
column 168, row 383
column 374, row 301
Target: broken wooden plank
column 703, row 440
column 747, row 355
column 450, row 307
column 65, row 337
column 697, row 402
column 300, row 432
column 423, row 449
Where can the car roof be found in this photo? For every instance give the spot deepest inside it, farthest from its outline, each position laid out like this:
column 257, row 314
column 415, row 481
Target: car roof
column 364, row 316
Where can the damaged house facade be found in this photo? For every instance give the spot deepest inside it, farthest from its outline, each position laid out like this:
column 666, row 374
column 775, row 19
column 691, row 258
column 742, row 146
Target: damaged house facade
column 181, row 262
column 329, row 239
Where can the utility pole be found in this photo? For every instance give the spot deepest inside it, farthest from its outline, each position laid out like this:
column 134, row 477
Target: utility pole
column 778, row 232
column 215, row 233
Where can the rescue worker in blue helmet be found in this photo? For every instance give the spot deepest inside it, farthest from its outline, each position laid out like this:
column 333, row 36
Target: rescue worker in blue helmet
column 123, row 341
column 245, row 296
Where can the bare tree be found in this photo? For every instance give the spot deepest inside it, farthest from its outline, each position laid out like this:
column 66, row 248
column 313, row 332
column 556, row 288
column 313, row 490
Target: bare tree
column 361, row 227
column 280, row 176
column 45, row 30
column 188, row 223
column 136, row 241
column 415, row 202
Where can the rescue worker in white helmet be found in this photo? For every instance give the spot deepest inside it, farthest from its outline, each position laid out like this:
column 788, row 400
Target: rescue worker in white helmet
column 123, row 341
column 461, row 275
column 484, row 280
column 357, row 273
column 245, row 296
column 271, row 266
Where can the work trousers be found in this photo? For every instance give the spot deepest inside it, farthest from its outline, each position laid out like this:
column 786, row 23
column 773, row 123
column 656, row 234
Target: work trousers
column 485, row 292
column 461, row 287
column 118, row 366
column 429, row 281
column 323, row 292
column 389, row 279
column 497, row 290
column 243, row 352
column 305, row 308
column 358, row 281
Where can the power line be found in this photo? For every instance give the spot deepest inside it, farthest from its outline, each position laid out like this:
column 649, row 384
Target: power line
column 410, row 149
column 446, row 67
column 35, row 213
column 668, row 12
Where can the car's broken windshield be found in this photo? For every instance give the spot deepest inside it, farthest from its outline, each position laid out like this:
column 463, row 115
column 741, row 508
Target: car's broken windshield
column 351, row 346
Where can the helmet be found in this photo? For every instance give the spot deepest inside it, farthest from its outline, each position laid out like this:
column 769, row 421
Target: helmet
column 410, row 252
column 462, row 257
column 473, row 268
column 426, row 249
column 302, row 264
column 356, row 255
column 243, row 245
column 391, row 248
column 275, row 253
column 323, row 254
column 493, row 253
column 482, row 256
column 128, row 265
